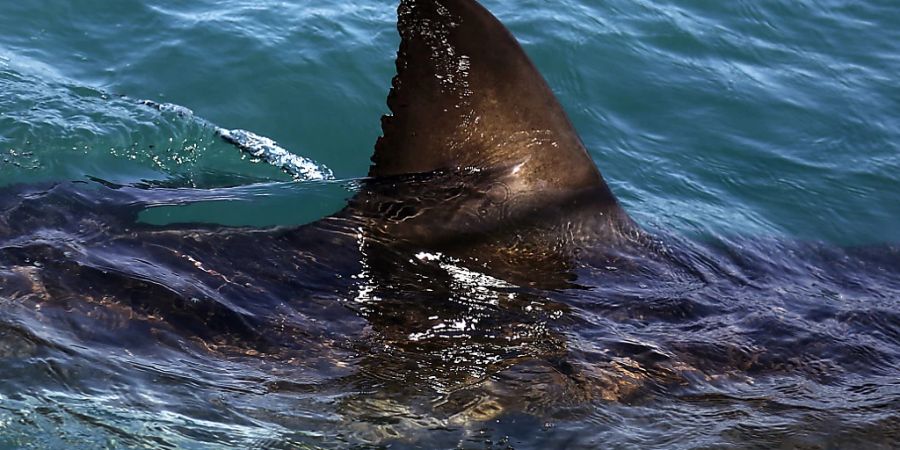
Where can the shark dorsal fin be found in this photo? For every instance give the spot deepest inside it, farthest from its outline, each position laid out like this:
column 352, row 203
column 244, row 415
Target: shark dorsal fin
column 467, row 96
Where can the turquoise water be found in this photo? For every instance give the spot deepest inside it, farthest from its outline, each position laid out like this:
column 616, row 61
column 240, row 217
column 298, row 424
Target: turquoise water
column 772, row 118
column 766, row 120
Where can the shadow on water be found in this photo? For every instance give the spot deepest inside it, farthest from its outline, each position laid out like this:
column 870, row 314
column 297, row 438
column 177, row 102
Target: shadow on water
column 117, row 331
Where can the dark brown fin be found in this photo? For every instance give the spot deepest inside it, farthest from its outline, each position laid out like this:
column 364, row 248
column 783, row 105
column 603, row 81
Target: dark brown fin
column 467, row 96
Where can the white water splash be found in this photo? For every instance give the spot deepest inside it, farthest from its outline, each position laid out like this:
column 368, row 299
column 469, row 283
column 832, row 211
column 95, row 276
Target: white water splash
column 269, row 151
column 181, row 111
column 258, row 147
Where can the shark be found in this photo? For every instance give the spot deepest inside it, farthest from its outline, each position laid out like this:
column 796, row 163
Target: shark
column 443, row 290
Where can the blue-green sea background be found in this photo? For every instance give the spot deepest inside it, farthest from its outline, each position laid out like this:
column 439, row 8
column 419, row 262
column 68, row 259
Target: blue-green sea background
column 756, row 118
column 742, row 117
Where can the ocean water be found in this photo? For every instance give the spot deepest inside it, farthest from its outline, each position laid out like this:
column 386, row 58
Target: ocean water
column 769, row 129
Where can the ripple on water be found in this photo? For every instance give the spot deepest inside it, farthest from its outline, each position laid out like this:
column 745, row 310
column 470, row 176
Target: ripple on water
column 739, row 127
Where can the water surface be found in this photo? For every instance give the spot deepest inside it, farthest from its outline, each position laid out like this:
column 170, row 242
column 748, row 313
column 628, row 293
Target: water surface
column 759, row 139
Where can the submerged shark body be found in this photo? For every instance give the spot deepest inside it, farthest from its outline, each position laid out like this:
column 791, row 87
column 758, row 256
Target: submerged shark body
column 480, row 191
column 448, row 280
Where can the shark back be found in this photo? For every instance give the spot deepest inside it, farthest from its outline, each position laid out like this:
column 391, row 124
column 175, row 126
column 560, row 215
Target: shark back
column 478, row 158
